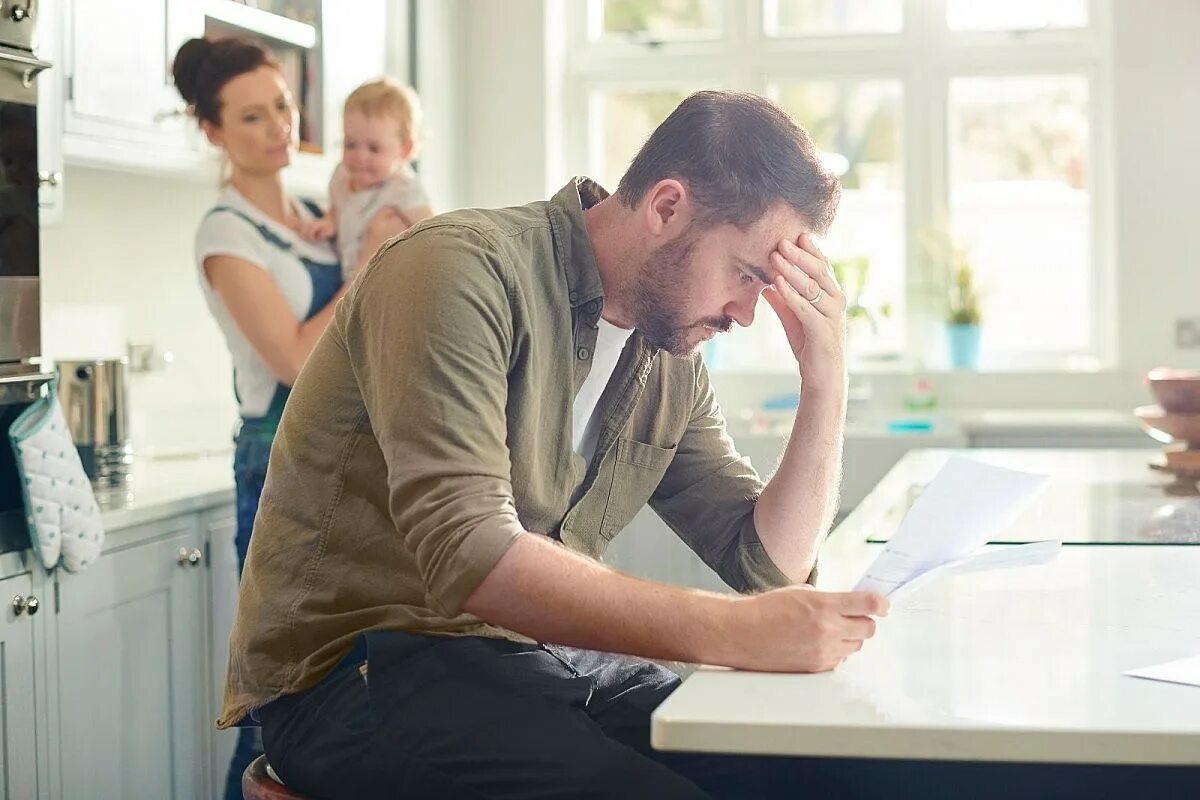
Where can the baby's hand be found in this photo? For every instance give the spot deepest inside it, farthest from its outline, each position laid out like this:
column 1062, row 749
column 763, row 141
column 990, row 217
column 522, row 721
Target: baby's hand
column 317, row 229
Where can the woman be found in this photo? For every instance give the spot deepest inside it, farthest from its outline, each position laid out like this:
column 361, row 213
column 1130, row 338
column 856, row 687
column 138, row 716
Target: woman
column 271, row 291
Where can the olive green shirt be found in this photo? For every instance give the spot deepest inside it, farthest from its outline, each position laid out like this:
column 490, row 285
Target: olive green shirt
column 431, row 427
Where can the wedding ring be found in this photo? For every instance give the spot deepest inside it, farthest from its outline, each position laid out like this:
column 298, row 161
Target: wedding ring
column 817, row 297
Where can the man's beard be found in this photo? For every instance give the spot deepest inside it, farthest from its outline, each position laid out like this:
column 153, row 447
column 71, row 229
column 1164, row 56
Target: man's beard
column 659, row 296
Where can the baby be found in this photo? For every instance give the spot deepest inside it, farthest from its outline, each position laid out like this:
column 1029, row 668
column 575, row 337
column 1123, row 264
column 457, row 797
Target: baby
column 381, row 122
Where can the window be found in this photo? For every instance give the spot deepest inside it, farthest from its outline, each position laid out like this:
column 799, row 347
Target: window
column 977, row 125
column 831, row 17
column 664, row 20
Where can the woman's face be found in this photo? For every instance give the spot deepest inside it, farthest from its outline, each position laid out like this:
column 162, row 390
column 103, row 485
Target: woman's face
column 259, row 122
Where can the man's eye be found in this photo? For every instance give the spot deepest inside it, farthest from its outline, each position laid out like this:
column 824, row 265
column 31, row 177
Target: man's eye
column 745, row 278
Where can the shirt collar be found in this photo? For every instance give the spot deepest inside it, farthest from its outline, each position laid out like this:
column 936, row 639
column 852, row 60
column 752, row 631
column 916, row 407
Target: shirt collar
column 572, row 246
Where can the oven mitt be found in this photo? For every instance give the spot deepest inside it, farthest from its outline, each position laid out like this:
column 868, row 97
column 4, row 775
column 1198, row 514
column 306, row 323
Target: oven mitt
column 61, row 511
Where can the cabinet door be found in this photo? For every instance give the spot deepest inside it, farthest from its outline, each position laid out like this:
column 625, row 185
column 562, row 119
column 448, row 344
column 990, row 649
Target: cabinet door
column 18, row 723
column 121, row 105
column 218, row 527
column 131, row 670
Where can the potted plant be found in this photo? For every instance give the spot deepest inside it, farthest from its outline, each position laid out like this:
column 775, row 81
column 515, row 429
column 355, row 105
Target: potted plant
column 962, row 315
column 851, row 274
column 954, row 293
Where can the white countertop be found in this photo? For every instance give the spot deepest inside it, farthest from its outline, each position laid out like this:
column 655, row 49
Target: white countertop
column 158, row 489
column 165, row 487
column 1013, row 665
column 951, row 423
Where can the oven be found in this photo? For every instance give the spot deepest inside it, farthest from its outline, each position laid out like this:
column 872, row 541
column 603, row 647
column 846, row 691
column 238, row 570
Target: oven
column 21, row 377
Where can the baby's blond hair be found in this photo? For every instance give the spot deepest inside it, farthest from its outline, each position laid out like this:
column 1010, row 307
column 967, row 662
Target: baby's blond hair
column 386, row 97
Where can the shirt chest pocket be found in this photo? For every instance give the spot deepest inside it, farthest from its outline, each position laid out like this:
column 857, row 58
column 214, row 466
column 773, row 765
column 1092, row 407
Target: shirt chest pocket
column 637, row 469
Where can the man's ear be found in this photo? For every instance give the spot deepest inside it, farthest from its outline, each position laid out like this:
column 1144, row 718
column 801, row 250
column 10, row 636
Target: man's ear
column 667, row 210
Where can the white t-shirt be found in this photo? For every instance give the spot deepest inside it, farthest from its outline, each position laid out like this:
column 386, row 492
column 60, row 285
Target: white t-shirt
column 585, row 432
column 355, row 209
column 225, row 233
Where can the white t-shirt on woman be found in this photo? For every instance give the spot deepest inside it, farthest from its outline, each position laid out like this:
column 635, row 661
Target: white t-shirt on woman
column 226, row 232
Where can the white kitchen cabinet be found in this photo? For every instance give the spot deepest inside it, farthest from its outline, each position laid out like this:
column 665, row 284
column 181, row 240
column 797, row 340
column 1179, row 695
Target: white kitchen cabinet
column 121, row 108
column 118, row 105
column 19, row 734
column 131, row 671
column 217, row 528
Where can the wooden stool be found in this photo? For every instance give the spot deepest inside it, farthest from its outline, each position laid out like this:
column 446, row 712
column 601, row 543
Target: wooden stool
column 258, row 785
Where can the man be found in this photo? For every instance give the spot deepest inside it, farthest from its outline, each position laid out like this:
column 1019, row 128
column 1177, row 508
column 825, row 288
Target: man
column 421, row 612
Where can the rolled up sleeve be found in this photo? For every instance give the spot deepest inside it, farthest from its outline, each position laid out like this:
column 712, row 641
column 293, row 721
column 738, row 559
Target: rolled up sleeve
column 429, row 330
column 708, row 494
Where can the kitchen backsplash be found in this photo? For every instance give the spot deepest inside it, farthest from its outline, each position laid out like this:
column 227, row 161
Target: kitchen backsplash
column 119, row 268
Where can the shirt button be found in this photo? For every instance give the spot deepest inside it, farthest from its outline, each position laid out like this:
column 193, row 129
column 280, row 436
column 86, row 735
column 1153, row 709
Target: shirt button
column 583, row 353
column 574, row 296
column 593, row 307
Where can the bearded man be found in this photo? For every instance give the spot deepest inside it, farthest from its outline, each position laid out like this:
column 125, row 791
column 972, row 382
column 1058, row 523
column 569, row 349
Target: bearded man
column 423, row 612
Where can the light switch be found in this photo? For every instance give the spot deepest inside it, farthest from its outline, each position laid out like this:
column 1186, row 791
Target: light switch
column 1187, row 333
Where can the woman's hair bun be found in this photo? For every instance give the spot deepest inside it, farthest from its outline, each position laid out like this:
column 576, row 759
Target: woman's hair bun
column 186, row 68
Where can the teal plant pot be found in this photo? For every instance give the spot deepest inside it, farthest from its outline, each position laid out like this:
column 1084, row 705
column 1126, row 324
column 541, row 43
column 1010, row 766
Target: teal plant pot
column 963, row 344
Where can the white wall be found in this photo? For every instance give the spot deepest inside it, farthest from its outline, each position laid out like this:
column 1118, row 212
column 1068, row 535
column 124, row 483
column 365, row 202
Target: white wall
column 120, row 266
column 440, row 81
column 511, row 154
column 1158, row 163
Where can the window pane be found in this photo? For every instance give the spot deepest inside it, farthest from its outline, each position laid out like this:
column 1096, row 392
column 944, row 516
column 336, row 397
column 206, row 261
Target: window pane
column 1021, row 208
column 1016, row 15
column 659, row 19
column 626, row 119
column 856, row 125
column 831, row 17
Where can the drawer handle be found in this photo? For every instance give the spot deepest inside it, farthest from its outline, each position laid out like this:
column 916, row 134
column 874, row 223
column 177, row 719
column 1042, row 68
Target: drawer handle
column 21, row 605
column 191, row 557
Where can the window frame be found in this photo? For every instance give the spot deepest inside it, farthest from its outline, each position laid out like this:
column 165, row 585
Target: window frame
column 924, row 57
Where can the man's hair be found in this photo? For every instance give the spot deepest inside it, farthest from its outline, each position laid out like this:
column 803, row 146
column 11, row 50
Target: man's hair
column 391, row 99
column 739, row 154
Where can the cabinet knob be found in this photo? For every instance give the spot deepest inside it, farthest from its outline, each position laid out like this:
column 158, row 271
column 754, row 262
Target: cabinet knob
column 18, row 13
column 19, row 605
column 32, row 604
column 47, row 178
column 195, row 557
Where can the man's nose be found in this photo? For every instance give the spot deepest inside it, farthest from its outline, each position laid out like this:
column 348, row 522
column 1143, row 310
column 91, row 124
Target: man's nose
column 742, row 309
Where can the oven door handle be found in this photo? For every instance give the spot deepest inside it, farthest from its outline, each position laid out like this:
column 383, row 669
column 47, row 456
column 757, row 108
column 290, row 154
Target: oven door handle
column 23, row 64
column 23, row 388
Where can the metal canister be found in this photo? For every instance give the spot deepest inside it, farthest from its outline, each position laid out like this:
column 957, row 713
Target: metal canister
column 94, row 394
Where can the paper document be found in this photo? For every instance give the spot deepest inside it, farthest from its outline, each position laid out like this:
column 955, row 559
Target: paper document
column 1185, row 670
column 1005, row 557
column 966, row 503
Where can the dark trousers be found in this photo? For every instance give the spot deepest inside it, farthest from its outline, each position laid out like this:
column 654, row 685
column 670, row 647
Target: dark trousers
column 472, row 718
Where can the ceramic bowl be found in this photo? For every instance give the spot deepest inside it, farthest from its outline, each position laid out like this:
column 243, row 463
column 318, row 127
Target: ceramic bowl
column 1166, row 426
column 1176, row 390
